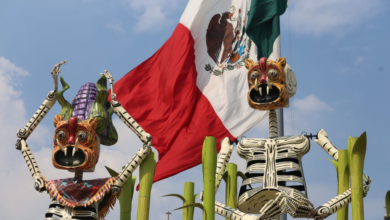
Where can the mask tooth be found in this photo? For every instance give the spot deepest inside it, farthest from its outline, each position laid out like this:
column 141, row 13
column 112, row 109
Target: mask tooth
column 267, row 90
column 75, row 149
column 260, row 92
column 256, row 87
column 61, row 147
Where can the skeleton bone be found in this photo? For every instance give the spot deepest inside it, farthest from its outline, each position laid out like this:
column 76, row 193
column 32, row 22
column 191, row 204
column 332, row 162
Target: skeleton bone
column 55, row 72
column 39, row 180
column 146, row 138
column 26, row 131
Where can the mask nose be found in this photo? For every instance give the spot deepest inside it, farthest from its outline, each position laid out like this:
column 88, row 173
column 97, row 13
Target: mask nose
column 263, row 67
column 72, row 130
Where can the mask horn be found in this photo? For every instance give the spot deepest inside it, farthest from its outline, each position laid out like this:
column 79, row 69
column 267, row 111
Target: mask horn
column 67, row 108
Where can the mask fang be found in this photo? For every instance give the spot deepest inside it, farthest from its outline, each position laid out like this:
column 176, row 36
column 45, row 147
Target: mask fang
column 75, row 147
column 61, row 147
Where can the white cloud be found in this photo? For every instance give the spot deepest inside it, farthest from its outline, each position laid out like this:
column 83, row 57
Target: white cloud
column 334, row 17
column 311, row 104
column 152, row 15
column 115, row 27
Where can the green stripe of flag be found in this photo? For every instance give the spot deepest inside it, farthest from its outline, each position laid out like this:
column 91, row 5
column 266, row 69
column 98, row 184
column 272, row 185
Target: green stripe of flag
column 263, row 25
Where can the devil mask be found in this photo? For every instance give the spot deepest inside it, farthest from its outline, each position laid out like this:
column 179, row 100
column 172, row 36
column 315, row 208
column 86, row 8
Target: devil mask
column 82, row 126
column 271, row 84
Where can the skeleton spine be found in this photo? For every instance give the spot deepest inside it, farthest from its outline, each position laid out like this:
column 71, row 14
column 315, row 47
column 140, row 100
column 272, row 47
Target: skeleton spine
column 273, row 124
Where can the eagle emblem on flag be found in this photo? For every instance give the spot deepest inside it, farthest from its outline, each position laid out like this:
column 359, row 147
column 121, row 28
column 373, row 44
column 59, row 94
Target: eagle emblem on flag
column 226, row 41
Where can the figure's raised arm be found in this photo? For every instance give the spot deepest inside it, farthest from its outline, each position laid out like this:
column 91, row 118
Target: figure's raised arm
column 24, row 133
column 50, row 100
column 129, row 121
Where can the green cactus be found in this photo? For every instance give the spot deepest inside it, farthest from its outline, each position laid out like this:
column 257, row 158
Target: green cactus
column 146, row 175
column 356, row 164
column 209, row 165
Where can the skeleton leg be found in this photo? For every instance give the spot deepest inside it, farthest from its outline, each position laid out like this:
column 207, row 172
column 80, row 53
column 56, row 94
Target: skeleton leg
column 24, row 133
column 124, row 115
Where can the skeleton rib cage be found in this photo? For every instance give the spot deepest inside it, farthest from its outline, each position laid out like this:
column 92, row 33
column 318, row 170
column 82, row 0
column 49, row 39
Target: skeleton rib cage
column 271, row 163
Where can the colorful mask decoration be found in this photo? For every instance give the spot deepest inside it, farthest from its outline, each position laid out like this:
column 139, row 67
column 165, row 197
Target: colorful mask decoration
column 80, row 129
column 82, row 126
column 271, row 84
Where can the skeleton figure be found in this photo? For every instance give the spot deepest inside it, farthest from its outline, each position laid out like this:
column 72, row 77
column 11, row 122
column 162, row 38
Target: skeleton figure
column 273, row 161
column 80, row 129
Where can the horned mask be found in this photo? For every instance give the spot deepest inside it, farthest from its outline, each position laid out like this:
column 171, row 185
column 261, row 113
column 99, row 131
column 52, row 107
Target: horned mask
column 271, row 84
column 82, row 126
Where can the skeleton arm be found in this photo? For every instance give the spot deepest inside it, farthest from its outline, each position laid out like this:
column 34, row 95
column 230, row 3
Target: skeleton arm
column 339, row 201
column 26, row 131
column 146, row 138
column 124, row 115
column 223, row 160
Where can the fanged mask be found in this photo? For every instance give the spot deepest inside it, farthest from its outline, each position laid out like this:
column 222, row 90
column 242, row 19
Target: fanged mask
column 76, row 144
column 271, row 84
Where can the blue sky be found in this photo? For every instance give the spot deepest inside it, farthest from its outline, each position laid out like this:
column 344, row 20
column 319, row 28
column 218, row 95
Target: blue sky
column 337, row 48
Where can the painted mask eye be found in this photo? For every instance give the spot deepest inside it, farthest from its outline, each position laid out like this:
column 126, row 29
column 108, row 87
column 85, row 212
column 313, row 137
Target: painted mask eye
column 254, row 75
column 273, row 74
column 62, row 136
column 82, row 136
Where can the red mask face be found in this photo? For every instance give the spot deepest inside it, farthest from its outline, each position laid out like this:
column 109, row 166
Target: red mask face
column 76, row 144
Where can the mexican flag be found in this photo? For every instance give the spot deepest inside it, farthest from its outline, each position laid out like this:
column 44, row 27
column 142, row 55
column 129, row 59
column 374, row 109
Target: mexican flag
column 195, row 85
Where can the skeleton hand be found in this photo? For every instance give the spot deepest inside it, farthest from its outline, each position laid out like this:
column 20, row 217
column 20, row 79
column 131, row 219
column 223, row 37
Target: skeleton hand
column 111, row 80
column 272, row 208
column 55, row 72
column 296, row 205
